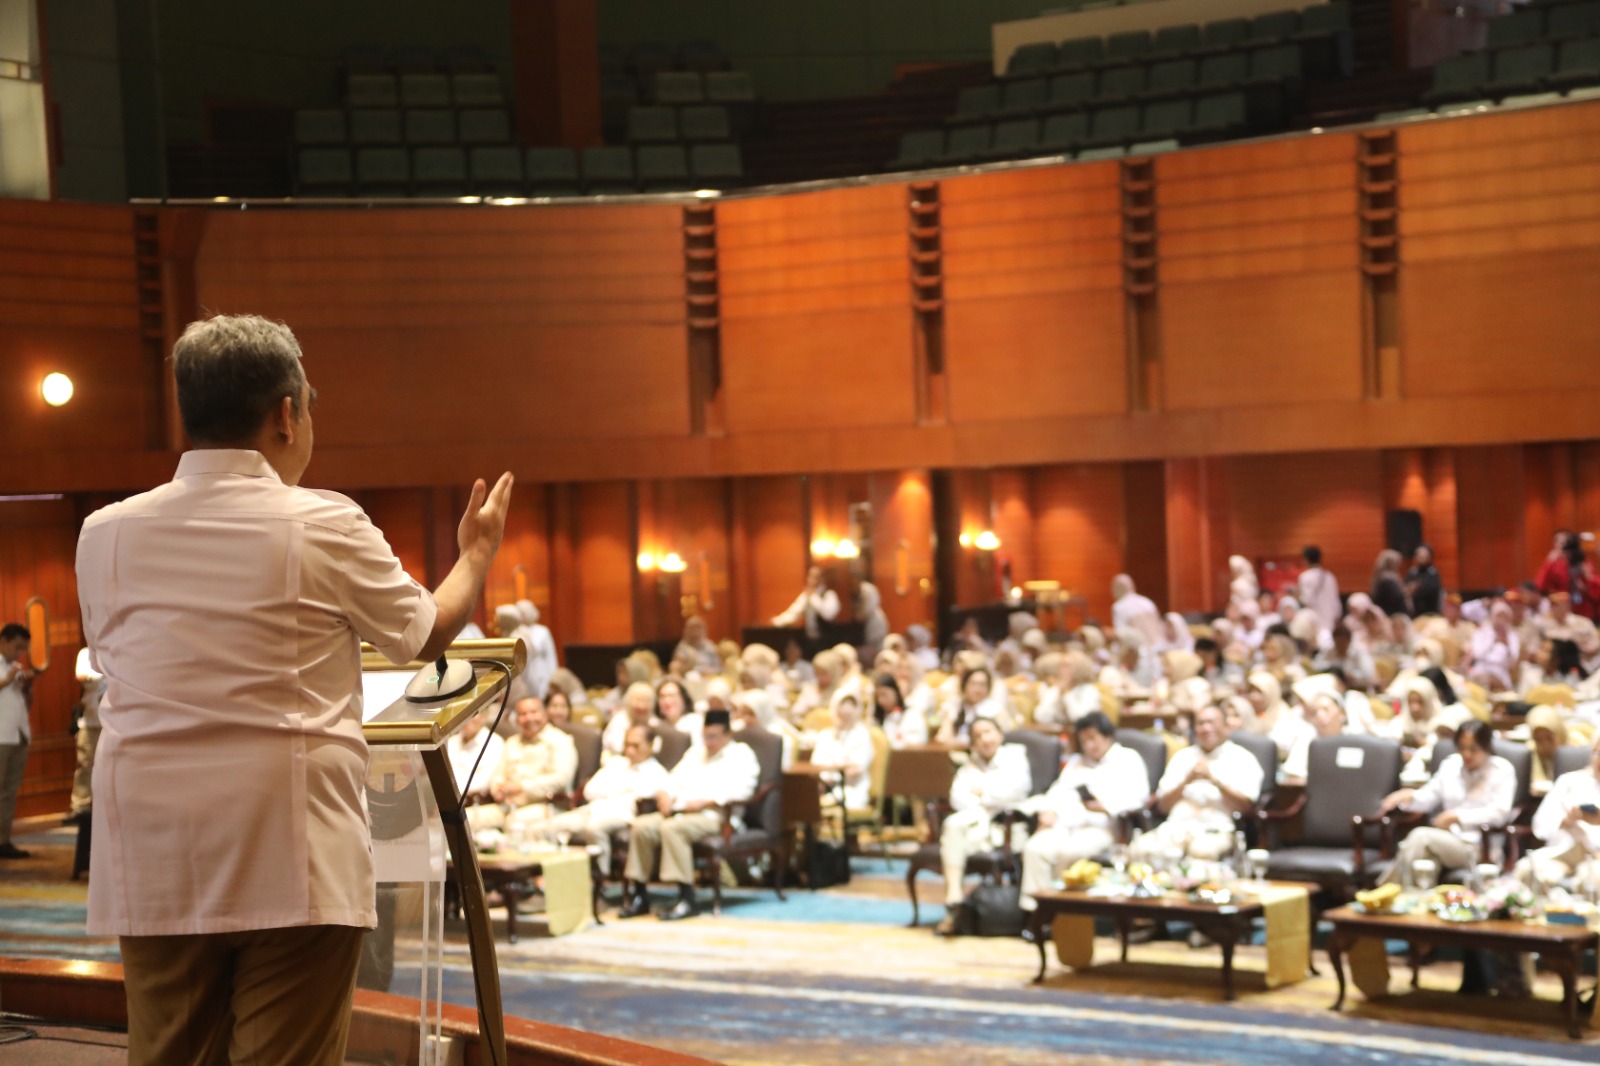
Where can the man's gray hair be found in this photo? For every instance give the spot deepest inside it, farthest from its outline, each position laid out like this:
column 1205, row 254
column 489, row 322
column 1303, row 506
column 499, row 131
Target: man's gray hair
column 232, row 371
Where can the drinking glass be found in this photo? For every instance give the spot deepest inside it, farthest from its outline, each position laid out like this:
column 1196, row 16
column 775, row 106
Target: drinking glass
column 1424, row 874
column 563, row 838
column 1259, row 859
column 1119, row 858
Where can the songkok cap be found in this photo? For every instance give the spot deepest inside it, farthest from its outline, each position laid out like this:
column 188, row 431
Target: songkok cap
column 718, row 716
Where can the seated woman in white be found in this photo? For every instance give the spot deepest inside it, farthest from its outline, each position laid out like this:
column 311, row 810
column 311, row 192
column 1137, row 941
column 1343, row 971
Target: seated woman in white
column 905, row 728
column 844, row 750
column 1472, row 788
column 978, row 700
column 674, row 708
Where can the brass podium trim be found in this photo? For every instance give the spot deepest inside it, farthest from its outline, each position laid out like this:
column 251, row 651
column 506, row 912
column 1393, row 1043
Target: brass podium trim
column 428, row 730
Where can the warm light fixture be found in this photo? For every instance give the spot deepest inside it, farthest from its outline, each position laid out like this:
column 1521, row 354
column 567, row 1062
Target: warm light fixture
column 986, row 541
column 846, row 549
column 56, row 389
column 965, row 539
column 646, row 562
column 672, row 563
column 822, row 547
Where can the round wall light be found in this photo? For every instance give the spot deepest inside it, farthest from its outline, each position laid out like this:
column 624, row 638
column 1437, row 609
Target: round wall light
column 56, row 389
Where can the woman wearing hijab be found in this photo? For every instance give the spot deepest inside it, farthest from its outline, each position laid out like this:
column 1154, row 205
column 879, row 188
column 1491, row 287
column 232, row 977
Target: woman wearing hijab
column 1175, row 635
column 1547, row 731
column 1274, row 717
column 1242, row 585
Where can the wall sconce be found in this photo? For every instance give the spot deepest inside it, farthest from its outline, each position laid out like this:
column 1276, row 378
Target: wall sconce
column 669, row 563
column 823, row 548
column 56, row 389
column 846, row 549
column 987, row 541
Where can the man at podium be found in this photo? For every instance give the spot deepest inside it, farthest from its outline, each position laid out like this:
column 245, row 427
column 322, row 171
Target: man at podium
column 225, row 609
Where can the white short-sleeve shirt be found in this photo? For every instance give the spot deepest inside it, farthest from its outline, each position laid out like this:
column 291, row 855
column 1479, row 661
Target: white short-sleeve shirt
column 226, row 611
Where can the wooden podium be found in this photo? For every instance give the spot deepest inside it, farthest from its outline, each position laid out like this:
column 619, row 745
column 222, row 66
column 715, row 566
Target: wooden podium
column 421, row 730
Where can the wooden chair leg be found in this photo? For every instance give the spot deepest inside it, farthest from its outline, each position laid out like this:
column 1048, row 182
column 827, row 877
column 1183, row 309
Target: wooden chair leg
column 780, row 862
column 1123, row 928
column 1414, row 952
column 911, row 890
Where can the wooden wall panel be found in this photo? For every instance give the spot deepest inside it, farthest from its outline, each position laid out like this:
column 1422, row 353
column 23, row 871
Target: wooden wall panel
column 1012, row 505
column 1493, row 548
column 777, row 540
column 1078, row 535
column 1197, row 519
column 701, row 507
column 1280, row 503
column 404, row 516
column 816, row 319
column 603, row 563
column 38, row 547
column 1260, row 294
column 69, row 302
column 522, row 566
column 1034, row 323
column 1500, row 245
column 902, row 546
column 1144, row 528
column 453, row 327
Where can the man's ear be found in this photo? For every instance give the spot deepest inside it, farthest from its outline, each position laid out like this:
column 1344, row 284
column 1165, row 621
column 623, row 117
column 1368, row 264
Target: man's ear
column 284, row 420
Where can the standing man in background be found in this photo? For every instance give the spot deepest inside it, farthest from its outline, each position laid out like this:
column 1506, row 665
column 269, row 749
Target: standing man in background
column 1319, row 590
column 232, row 852
column 94, row 687
column 16, row 693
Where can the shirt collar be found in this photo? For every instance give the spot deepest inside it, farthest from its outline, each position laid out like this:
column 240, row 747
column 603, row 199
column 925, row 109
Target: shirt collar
column 244, row 461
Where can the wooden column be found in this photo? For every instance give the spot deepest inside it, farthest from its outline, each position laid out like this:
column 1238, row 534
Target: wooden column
column 555, row 49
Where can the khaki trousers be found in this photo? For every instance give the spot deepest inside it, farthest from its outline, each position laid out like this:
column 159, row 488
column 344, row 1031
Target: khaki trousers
column 13, row 761
column 1448, row 851
column 265, row 997
column 1052, row 849
column 669, row 841
column 83, row 775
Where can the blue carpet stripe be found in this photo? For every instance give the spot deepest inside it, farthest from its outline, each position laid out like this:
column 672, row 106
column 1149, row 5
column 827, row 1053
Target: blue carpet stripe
column 770, row 1013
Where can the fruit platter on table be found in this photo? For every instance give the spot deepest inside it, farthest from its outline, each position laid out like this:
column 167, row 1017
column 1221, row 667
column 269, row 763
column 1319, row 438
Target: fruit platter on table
column 1456, row 903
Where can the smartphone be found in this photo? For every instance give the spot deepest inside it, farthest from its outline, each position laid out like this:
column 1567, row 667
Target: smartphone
column 1588, row 808
column 1084, row 793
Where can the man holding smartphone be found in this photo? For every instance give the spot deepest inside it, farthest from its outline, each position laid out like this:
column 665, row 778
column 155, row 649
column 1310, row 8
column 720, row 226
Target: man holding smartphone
column 1568, row 821
column 1077, row 816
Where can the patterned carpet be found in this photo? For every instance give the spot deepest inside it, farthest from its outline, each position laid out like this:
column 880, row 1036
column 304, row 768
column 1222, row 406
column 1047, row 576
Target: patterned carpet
column 836, row 977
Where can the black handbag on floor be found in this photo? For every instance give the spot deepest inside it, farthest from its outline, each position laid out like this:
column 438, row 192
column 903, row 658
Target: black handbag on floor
column 991, row 910
column 828, row 865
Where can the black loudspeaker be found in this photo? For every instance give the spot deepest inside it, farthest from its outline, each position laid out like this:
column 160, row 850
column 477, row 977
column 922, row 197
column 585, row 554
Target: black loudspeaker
column 1402, row 531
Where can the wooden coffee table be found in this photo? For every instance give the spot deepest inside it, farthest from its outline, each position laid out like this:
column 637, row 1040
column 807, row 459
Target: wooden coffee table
column 1561, row 946
column 1225, row 925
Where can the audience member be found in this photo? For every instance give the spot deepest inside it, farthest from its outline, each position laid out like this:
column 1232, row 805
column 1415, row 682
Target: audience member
column 1423, row 584
column 610, row 798
column 1319, row 589
column 1472, row 788
column 1077, row 816
column 844, row 751
column 16, row 694
column 707, row 659
column 817, row 603
column 996, row 777
column 1388, row 592
column 714, row 775
column 537, row 765
column 1132, row 611
column 1567, row 821
column 1204, row 784
column 93, row 684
